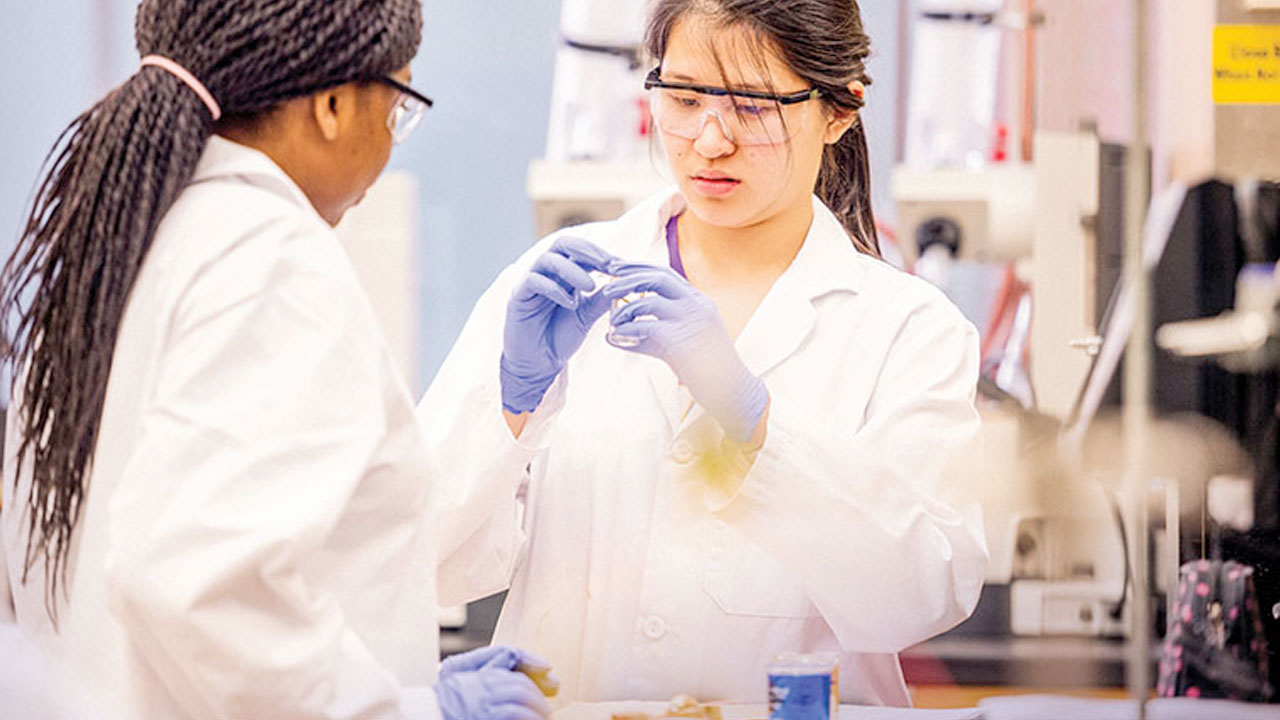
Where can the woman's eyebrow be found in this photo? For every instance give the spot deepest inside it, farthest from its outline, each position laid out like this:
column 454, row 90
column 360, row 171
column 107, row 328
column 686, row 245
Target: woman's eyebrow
column 678, row 77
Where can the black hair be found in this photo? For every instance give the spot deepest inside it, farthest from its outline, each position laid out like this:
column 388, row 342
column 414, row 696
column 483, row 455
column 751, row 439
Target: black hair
column 823, row 41
column 108, row 181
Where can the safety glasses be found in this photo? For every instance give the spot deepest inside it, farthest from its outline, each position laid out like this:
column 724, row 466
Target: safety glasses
column 746, row 117
column 407, row 111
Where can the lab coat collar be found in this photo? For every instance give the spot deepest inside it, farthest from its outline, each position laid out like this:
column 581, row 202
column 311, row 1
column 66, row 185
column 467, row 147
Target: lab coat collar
column 225, row 160
column 827, row 262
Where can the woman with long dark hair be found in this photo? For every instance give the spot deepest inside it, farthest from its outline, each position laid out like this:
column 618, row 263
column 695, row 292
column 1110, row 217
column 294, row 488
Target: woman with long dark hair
column 219, row 496
column 746, row 457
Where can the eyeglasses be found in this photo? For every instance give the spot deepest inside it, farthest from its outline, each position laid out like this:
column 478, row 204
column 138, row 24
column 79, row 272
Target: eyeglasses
column 746, row 117
column 407, row 111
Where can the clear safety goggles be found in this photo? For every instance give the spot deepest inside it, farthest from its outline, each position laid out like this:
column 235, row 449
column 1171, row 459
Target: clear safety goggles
column 746, row 117
column 408, row 110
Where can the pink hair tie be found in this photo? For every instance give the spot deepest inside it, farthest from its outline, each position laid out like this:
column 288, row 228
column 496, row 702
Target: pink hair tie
column 188, row 79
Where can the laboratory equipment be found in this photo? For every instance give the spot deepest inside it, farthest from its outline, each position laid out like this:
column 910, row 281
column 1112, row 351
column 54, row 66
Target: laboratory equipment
column 623, row 341
column 989, row 213
column 1052, row 220
column 574, row 192
column 1056, row 565
column 955, row 70
column 600, row 160
column 597, row 102
column 1243, row 339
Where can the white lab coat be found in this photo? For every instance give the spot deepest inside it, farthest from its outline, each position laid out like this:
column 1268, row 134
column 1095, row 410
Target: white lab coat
column 256, row 538
column 6, row 596
column 640, row 578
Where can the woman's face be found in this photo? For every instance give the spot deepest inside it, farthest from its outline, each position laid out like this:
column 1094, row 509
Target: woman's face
column 370, row 146
column 740, row 185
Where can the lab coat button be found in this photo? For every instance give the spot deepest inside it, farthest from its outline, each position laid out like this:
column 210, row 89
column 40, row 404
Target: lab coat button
column 682, row 452
column 654, row 627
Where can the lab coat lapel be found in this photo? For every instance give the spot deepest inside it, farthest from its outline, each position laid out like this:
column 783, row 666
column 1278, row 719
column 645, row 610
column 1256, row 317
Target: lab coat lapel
column 666, row 390
column 827, row 262
column 779, row 325
column 650, row 220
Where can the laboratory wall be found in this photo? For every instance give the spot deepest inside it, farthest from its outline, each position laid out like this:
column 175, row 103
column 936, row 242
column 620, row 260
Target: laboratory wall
column 488, row 65
column 56, row 57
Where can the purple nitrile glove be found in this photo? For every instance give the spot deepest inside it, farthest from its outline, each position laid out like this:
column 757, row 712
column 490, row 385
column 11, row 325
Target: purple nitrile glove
column 548, row 316
column 507, row 658
column 490, row 693
column 681, row 326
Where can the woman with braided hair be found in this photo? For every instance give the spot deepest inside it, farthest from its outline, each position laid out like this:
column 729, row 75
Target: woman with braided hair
column 223, row 504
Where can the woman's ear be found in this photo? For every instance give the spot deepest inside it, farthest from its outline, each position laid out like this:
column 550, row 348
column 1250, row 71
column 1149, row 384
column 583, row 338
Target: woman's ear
column 841, row 118
column 324, row 109
column 333, row 109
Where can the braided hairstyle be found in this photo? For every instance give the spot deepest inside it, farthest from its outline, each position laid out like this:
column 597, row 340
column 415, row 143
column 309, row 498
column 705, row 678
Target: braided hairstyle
column 110, row 178
column 822, row 41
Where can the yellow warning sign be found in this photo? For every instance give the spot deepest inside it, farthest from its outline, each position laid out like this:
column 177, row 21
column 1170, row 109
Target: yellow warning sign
column 1246, row 64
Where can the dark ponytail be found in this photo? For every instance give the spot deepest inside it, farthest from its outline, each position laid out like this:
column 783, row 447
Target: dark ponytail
column 844, row 185
column 823, row 41
column 107, row 183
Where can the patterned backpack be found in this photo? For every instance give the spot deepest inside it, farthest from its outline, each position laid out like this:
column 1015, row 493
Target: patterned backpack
column 1215, row 646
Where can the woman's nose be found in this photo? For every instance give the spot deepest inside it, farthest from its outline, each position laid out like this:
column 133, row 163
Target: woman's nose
column 714, row 137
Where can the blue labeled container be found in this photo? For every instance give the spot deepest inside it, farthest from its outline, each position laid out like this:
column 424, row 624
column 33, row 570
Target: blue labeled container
column 803, row 687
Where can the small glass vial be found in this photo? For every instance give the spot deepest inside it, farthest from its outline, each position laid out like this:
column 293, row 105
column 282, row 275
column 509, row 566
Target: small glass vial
column 803, row 687
column 622, row 340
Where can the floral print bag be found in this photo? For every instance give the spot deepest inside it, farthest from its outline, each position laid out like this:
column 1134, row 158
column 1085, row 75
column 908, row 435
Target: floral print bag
column 1215, row 646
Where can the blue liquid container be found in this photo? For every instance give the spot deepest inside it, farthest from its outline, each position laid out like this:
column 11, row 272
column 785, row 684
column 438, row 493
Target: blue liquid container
column 803, row 687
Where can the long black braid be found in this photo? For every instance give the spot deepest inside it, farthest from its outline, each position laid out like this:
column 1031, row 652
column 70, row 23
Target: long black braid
column 109, row 180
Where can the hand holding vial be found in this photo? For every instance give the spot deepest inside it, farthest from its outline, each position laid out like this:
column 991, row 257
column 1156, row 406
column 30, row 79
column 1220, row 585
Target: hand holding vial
column 663, row 316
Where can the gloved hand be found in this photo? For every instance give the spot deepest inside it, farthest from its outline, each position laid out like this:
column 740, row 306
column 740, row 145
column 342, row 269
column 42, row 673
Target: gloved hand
column 681, row 326
column 548, row 317
column 507, row 658
column 490, row 693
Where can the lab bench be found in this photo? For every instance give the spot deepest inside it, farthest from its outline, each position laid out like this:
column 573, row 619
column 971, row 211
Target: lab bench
column 1044, row 662
column 1007, row 708
column 1013, row 678
column 608, row 710
column 971, row 654
column 966, row 657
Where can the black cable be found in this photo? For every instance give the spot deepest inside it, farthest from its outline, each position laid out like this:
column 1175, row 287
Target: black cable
column 1118, row 611
column 630, row 53
column 979, row 18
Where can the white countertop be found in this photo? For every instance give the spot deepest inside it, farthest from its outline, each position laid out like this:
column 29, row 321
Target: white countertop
column 1022, row 707
column 604, row 710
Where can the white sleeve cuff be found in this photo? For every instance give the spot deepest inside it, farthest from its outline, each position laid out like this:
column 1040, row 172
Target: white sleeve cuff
column 535, row 436
column 420, row 703
column 537, row 429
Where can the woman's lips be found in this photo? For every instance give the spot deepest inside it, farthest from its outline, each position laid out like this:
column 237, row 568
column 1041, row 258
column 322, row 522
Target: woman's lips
column 714, row 184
